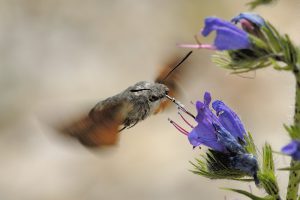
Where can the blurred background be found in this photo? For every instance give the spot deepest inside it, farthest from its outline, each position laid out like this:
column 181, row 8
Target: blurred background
column 62, row 56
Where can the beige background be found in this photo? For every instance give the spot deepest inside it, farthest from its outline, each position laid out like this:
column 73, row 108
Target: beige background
column 58, row 56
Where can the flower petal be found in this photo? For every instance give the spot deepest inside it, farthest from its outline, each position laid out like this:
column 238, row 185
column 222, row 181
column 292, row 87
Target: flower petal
column 229, row 119
column 205, row 134
column 228, row 37
column 203, row 109
column 214, row 23
column 251, row 17
column 228, row 140
column 207, row 98
column 292, row 149
column 205, row 103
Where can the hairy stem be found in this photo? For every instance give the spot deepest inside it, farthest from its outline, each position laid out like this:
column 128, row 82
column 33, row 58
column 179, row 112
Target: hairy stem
column 294, row 177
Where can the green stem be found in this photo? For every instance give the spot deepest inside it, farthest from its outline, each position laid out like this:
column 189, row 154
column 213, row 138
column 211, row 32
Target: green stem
column 294, row 177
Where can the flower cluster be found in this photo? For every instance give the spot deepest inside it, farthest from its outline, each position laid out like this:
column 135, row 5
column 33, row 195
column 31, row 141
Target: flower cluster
column 229, row 36
column 222, row 132
column 225, row 121
column 247, row 42
column 256, row 44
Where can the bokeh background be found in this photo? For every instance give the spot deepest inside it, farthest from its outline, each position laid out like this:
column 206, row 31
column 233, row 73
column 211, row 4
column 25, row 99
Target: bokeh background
column 59, row 57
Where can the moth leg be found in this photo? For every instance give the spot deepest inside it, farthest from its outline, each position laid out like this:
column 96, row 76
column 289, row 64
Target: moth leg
column 132, row 125
column 123, row 128
column 127, row 127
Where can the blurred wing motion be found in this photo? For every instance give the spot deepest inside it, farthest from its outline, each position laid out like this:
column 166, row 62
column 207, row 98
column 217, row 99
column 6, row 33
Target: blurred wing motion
column 100, row 127
column 170, row 76
column 136, row 103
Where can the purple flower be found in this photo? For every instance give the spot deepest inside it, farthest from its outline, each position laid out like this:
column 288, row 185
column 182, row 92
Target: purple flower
column 228, row 36
column 292, row 149
column 221, row 131
column 205, row 119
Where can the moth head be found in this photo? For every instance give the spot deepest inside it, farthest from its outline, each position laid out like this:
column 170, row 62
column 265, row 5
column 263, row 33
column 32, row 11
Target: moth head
column 158, row 92
column 152, row 91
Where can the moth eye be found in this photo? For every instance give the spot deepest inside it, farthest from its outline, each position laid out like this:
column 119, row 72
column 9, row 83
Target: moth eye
column 153, row 98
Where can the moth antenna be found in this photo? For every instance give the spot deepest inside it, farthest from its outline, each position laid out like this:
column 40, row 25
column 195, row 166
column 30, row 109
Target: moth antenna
column 137, row 90
column 180, row 106
column 187, row 55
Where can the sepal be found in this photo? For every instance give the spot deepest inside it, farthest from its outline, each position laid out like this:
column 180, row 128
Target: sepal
column 216, row 165
column 253, row 4
column 250, row 195
column 293, row 131
column 266, row 175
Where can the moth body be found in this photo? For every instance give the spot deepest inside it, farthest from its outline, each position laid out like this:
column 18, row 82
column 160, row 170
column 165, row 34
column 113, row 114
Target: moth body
column 116, row 113
column 141, row 100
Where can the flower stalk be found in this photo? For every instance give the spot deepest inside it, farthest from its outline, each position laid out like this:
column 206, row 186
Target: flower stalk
column 294, row 176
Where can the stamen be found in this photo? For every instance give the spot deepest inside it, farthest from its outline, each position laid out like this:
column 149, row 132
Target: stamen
column 197, row 40
column 185, row 120
column 178, row 127
column 198, row 46
column 180, row 106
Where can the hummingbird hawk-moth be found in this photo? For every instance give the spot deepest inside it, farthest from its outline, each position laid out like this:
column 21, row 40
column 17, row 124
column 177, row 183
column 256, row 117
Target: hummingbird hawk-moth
column 101, row 126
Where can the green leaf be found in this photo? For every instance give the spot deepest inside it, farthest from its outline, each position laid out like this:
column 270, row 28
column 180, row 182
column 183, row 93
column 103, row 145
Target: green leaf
column 273, row 38
column 293, row 131
column 250, row 146
column 290, row 51
column 268, row 163
column 281, row 46
column 255, row 3
column 248, row 194
column 268, row 182
column 276, row 65
column 266, row 175
column 241, row 61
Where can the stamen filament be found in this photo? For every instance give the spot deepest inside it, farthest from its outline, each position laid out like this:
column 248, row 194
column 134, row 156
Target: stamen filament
column 178, row 127
column 197, row 46
column 185, row 120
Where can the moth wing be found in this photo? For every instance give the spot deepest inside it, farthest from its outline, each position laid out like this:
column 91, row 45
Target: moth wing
column 101, row 126
column 172, row 81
